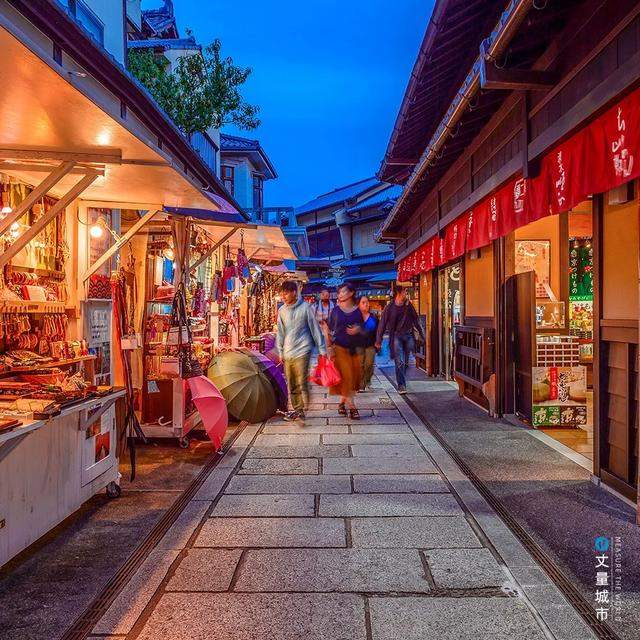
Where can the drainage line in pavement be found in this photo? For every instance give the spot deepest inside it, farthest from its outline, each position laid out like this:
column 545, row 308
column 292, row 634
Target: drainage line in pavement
column 602, row 630
column 83, row 626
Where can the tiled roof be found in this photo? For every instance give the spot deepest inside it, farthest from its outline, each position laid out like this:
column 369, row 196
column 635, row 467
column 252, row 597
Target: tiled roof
column 379, row 199
column 338, row 195
column 161, row 20
column 374, row 258
column 230, row 144
column 165, row 43
column 236, row 143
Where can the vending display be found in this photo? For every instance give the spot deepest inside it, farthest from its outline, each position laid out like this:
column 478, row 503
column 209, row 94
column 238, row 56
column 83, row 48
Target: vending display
column 559, row 396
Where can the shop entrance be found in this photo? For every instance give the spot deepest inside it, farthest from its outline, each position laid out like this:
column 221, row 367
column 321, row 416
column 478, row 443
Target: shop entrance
column 549, row 327
column 450, row 288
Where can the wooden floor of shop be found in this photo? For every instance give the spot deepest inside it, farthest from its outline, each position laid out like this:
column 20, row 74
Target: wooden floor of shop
column 579, row 440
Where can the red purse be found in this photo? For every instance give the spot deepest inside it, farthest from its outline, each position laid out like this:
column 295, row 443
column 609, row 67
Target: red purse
column 326, row 374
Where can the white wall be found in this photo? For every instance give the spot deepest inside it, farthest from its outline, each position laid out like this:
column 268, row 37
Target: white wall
column 364, row 240
column 134, row 12
column 111, row 13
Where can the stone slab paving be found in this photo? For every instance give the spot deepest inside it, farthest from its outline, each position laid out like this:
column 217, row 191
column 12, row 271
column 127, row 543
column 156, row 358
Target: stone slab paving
column 273, row 532
column 431, row 533
column 341, row 530
column 452, row 619
column 318, row 451
column 252, row 505
column 424, row 483
column 334, row 570
column 205, row 570
column 388, row 465
column 255, row 616
column 290, row 466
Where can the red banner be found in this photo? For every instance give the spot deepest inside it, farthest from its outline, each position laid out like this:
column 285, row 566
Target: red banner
column 599, row 157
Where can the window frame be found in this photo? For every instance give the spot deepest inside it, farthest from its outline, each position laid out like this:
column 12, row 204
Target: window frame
column 231, row 178
column 258, row 187
column 88, row 15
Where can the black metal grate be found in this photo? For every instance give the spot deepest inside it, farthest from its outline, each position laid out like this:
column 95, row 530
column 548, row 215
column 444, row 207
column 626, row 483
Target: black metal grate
column 83, row 626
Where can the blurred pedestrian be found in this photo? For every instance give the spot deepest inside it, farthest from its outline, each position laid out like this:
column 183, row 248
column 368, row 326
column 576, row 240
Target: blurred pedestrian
column 345, row 327
column 298, row 333
column 367, row 349
column 323, row 308
column 400, row 319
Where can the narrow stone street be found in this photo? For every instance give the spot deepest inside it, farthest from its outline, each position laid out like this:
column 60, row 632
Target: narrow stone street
column 340, row 530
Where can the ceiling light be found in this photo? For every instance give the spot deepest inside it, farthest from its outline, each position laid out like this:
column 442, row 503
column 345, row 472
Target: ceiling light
column 96, row 231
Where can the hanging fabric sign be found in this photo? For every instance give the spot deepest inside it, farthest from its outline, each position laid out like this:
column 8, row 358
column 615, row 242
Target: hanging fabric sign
column 603, row 155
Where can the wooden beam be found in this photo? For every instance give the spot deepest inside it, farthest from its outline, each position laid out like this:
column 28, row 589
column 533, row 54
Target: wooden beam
column 402, row 161
column 100, row 155
column 47, row 168
column 41, row 190
column 215, row 223
column 119, row 244
column 42, row 222
column 200, row 260
column 491, row 77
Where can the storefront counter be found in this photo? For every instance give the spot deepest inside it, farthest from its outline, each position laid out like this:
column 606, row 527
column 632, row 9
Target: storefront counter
column 49, row 468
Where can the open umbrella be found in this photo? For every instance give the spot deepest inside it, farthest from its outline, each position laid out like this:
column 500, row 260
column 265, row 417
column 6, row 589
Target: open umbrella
column 211, row 406
column 273, row 372
column 245, row 387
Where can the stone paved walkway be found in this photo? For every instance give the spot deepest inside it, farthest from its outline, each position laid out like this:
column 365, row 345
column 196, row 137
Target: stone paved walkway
column 340, row 530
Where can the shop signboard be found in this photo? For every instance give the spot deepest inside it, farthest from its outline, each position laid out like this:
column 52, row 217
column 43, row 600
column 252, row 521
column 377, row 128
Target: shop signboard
column 559, row 396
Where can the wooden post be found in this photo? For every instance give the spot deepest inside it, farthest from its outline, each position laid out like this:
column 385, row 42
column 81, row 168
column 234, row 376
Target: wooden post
column 597, row 212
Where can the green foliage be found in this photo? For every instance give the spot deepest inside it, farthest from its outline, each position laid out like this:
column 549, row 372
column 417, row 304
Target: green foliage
column 203, row 91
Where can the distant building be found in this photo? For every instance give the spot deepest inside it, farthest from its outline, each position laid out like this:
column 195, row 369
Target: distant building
column 341, row 227
column 244, row 169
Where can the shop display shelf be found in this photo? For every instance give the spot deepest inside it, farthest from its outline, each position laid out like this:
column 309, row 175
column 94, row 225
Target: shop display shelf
column 33, row 306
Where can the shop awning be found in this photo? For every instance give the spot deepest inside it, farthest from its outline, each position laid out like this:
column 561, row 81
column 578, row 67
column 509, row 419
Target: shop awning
column 261, row 241
column 50, row 115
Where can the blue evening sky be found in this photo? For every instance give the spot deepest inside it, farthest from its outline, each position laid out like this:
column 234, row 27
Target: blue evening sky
column 328, row 75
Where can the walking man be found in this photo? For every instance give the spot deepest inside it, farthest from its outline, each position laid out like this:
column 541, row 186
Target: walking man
column 400, row 319
column 298, row 333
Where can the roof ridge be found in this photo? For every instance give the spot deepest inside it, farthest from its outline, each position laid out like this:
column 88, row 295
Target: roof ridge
column 346, row 186
column 234, row 137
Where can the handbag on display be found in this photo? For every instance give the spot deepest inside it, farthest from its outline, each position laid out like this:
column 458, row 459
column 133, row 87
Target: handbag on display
column 188, row 365
column 243, row 262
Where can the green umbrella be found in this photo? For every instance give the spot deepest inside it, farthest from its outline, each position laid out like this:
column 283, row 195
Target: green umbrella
column 245, row 387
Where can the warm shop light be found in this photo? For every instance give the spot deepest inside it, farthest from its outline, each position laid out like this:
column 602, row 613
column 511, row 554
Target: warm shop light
column 15, row 226
column 5, row 210
column 96, row 231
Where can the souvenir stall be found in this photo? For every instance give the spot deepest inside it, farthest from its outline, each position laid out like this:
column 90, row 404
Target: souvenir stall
column 207, row 255
column 58, row 434
column 264, row 301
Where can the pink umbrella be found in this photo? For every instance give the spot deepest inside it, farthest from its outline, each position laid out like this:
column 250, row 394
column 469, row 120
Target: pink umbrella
column 212, row 408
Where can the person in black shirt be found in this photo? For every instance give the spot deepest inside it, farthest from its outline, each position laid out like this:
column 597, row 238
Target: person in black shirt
column 400, row 319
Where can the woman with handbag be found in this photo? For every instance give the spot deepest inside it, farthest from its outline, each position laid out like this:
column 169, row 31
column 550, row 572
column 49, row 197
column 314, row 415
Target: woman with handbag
column 345, row 327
